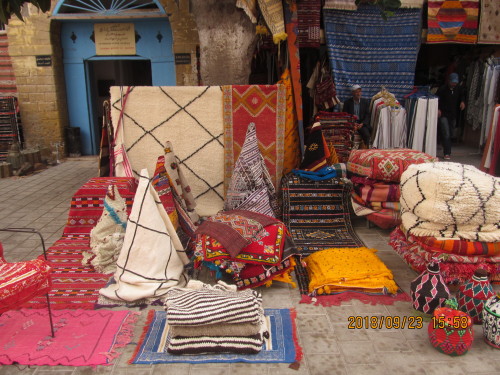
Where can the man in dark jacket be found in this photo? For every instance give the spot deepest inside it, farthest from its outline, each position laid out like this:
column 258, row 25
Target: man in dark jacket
column 360, row 107
column 451, row 102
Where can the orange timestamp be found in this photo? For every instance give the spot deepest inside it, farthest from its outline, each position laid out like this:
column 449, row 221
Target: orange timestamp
column 387, row 322
column 456, row 322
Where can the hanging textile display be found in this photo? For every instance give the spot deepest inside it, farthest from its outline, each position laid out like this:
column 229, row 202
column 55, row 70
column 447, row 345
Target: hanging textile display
column 489, row 22
column 452, row 21
column 190, row 117
column 265, row 106
column 291, row 157
column 351, row 4
column 291, row 25
column 388, row 121
column 367, row 50
column 272, row 11
column 250, row 8
column 309, row 15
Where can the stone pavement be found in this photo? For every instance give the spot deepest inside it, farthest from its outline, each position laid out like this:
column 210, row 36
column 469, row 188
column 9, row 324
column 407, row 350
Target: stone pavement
column 42, row 201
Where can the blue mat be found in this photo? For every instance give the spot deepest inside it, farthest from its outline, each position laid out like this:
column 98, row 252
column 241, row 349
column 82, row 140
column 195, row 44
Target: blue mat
column 365, row 49
column 281, row 347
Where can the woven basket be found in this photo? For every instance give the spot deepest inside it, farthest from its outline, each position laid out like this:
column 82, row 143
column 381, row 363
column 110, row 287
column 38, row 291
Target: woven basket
column 450, row 331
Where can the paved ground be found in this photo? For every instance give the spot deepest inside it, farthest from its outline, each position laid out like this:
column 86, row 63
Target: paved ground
column 42, row 201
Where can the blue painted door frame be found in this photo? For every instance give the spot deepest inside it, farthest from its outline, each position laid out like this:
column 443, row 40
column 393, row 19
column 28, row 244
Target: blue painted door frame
column 154, row 44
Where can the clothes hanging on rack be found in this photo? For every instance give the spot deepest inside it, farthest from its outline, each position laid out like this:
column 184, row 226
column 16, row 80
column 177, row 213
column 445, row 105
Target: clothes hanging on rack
column 388, row 120
column 422, row 120
column 491, row 152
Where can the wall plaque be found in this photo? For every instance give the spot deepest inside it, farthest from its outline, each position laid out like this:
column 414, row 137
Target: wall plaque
column 182, row 59
column 114, row 38
column 43, row 60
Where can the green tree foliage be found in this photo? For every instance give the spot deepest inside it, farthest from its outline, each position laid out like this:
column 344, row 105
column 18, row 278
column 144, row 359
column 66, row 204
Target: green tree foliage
column 10, row 7
column 387, row 7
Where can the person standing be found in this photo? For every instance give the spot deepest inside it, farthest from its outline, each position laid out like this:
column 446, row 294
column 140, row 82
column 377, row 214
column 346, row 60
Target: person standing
column 451, row 102
column 360, row 107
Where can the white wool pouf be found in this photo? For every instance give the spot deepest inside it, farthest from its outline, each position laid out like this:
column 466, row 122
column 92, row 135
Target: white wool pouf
column 443, row 199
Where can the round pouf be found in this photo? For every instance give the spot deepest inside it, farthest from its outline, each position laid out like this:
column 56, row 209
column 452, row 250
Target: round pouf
column 491, row 321
column 472, row 295
column 429, row 291
column 450, row 331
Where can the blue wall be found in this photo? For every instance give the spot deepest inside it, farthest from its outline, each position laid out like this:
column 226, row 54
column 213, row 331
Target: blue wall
column 77, row 50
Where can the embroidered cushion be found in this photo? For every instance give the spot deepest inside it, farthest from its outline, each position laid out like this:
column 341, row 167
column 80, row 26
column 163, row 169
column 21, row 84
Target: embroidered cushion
column 385, row 165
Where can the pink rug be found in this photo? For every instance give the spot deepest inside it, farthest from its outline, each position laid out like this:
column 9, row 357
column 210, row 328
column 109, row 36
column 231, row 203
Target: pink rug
column 82, row 337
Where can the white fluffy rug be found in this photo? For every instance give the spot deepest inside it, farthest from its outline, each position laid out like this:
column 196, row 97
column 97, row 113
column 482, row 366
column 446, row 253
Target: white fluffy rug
column 188, row 116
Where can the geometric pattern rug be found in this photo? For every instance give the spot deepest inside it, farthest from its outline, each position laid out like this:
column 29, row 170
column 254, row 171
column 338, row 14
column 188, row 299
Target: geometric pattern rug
column 82, row 337
column 452, row 21
column 190, row 117
column 265, row 106
column 367, row 50
column 317, row 213
column 281, row 346
column 489, row 22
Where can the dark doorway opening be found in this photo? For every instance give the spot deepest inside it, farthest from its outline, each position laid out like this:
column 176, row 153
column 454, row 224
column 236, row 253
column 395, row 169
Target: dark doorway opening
column 102, row 74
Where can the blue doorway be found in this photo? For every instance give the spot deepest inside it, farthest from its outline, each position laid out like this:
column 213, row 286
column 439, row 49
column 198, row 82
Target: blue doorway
column 89, row 76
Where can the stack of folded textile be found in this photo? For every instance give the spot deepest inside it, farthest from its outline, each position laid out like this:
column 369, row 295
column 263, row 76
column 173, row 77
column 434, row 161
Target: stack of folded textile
column 376, row 176
column 214, row 319
column 450, row 211
column 252, row 248
column 338, row 129
column 339, row 270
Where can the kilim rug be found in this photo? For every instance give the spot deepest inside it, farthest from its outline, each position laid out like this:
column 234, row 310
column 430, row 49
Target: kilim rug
column 317, row 213
column 309, row 17
column 73, row 284
column 281, row 347
column 365, row 49
column 265, row 106
column 190, row 117
column 82, row 338
column 489, row 22
column 452, row 21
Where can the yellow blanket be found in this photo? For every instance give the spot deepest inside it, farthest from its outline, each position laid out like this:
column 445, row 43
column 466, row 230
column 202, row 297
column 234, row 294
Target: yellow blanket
column 348, row 269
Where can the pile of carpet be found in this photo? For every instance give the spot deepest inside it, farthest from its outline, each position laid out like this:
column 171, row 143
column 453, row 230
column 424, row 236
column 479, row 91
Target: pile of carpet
column 214, row 319
column 376, row 178
column 246, row 242
column 450, row 211
column 338, row 130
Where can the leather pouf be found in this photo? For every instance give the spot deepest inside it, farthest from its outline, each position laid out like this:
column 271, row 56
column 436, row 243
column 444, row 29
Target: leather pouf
column 429, row 291
column 491, row 321
column 472, row 295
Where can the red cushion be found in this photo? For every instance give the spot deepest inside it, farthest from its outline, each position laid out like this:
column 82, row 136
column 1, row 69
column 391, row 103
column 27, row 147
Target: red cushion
column 21, row 281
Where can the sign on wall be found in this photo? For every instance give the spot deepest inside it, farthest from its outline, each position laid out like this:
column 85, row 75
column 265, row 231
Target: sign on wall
column 114, row 38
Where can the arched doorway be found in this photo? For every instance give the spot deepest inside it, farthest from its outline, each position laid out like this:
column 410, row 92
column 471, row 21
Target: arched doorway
column 95, row 59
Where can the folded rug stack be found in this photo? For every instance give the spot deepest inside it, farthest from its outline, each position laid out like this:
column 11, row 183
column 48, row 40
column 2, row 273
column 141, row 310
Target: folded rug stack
column 376, row 176
column 450, row 211
column 252, row 248
column 214, row 319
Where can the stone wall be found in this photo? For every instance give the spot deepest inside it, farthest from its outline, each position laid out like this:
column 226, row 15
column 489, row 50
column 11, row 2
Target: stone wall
column 41, row 90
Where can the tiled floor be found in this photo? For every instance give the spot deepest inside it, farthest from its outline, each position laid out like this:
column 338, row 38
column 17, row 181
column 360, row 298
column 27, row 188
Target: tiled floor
column 42, row 200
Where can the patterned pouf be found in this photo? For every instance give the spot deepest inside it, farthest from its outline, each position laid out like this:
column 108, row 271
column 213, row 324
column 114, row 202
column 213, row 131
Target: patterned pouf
column 450, row 331
column 428, row 291
column 491, row 321
column 472, row 295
